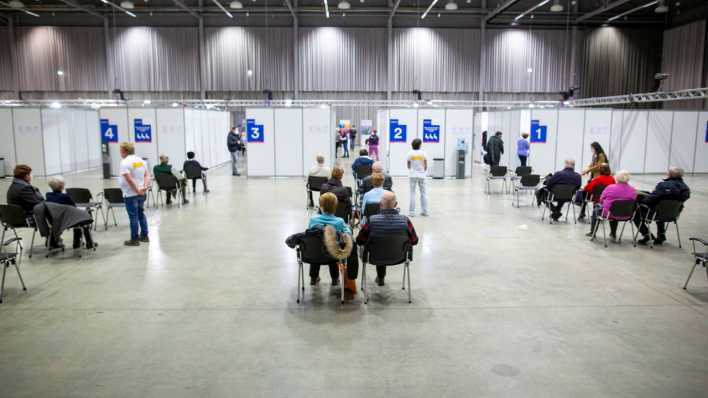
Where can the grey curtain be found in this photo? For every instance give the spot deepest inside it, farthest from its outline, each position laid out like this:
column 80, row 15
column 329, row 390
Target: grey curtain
column 342, row 59
column 442, row 60
column 5, row 62
column 354, row 113
column 620, row 61
column 510, row 53
column 78, row 52
column 230, row 52
column 682, row 56
column 156, row 59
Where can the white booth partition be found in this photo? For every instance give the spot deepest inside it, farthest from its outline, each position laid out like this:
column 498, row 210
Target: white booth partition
column 658, row 141
column 143, row 130
column 459, row 125
column 683, row 139
column 629, row 145
column 7, row 140
column 598, row 128
column 401, row 129
column 431, row 128
column 569, row 137
column 288, row 142
column 29, row 141
column 114, row 126
column 543, row 138
column 171, row 139
column 260, row 137
column 381, row 130
column 317, row 137
column 700, row 164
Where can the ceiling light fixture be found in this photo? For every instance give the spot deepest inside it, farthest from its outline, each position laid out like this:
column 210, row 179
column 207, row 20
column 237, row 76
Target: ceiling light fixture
column 326, row 8
column 55, row 105
column 236, row 5
column 344, row 5
column 618, row 16
column 249, row 73
column 228, row 14
column 425, row 14
column 117, row 7
column 147, row 102
column 451, row 5
column 541, row 4
column 15, row 4
column 128, row 5
column 557, row 6
column 175, row 105
column 661, row 8
column 60, row 72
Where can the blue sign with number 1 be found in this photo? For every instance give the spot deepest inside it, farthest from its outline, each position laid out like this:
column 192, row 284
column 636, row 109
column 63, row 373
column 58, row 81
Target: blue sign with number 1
column 539, row 132
column 254, row 132
column 397, row 132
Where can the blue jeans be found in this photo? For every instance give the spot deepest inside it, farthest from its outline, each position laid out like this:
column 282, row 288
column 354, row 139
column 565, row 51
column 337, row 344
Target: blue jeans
column 135, row 206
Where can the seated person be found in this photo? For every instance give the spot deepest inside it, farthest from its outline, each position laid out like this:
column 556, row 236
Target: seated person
column 318, row 170
column 362, row 160
column 567, row 176
column 21, row 192
column 57, row 195
column 621, row 190
column 389, row 221
column 334, row 185
column 603, row 178
column 328, row 206
column 375, row 194
column 671, row 188
column 365, row 185
column 166, row 168
column 191, row 161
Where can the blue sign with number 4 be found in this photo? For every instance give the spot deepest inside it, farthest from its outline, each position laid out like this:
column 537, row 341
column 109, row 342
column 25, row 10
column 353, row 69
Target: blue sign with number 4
column 109, row 132
column 254, row 132
column 539, row 132
column 397, row 132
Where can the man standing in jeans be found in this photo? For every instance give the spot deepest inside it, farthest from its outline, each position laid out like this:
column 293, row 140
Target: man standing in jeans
column 417, row 171
column 134, row 181
column 233, row 143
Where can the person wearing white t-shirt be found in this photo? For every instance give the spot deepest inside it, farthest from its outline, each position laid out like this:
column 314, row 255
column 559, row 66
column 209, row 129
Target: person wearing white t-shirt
column 134, row 181
column 417, row 171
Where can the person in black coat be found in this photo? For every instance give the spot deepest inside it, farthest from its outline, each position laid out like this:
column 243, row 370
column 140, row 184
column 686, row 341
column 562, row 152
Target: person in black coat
column 671, row 188
column 335, row 186
column 567, row 176
column 57, row 195
column 21, row 192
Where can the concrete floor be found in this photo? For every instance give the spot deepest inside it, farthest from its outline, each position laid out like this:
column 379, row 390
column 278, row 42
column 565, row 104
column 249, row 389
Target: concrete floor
column 502, row 306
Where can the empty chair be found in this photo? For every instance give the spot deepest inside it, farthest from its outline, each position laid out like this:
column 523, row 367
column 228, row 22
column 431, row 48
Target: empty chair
column 520, row 172
column 527, row 183
column 496, row 173
column 620, row 211
column 11, row 258
column 313, row 185
column 667, row 211
column 14, row 217
column 311, row 250
column 388, row 250
column 169, row 183
column 84, row 199
column 113, row 198
column 563, row 194
column 700, row 257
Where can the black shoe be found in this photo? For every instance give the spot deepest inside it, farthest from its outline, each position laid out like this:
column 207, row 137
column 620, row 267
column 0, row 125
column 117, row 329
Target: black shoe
column 589, row 234
column 335, row 282
column 379, row 281
column 659, row 240
column 314, row 281
column 168, row 203
column 145, row 239
column 644, row 240
column 185, row 202
column 76, row 245
column 555, row 217
column 93, row 246
column 207, row 191
column 132, row 243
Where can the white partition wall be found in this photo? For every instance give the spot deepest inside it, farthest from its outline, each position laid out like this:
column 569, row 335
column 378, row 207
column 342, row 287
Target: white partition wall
column 260, row 139
column 52, row 123
column 402, row 129
column 543, row 127
column 7, row 140
column 382, row 131
column 658, row 141
column 93, row 138
column 431, row 128
column 288, row 142
column 571, row 126
column 117, row 117
column 631, row 145
column 143, row 130
column 171, row 135
column 28, row 138
column 317, row 137
column 459, row 124
column 700, row 162
column 598, row 128
column 683, row 140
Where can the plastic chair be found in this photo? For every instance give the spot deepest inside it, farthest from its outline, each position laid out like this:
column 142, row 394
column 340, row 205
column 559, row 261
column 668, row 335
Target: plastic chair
column 84, row 199
column 14, row 217
column 360, row 173
column 560, row 193
column 169, row 183
column 520, row 172
column 193, row 172
column 388, row 250
column 313, row 184
column 699, row 257
column 527, row 183
column 311, row 250
column 8, row 259
column 113, row 198
column 620, row 210
column 667, row 211
column 496, row 173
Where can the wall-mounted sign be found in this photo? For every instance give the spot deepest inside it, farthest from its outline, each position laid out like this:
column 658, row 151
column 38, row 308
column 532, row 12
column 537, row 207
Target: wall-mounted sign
column 254, row 132
column 431, row 132
column 143, row 132
column 109, row 132
column 539, row 132
column 397, row 132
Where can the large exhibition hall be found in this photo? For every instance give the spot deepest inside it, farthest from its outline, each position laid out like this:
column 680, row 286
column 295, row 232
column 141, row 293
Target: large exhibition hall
column 354, row 198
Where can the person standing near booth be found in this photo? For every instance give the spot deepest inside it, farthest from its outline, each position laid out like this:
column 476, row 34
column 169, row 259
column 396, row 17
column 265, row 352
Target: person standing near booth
column 417, row 162
column 134, row 181
column 522, row 148
column 373, row 143
column 233, row 144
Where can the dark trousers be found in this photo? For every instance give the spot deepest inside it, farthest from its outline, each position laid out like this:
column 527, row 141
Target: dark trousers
column 595, row 214
column 381, row 271
column 352, row 268
column 333, row 271
column 204, row 183
column 639, row 216
column 85, row 231
column 542, row 195
column 523, row 159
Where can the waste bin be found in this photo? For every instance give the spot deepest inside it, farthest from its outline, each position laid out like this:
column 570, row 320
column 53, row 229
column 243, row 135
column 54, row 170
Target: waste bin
column 438, row 170
column 2, row 168
column 460, row 163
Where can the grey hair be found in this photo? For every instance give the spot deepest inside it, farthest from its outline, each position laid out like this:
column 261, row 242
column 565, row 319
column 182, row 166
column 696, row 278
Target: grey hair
column 56, row 183
column 675, row 172
column 570, row 162
column 622, row 176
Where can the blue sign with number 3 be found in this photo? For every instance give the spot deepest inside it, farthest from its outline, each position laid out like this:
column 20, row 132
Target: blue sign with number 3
column 539, row 132
column 397, row 132
column 254, row 132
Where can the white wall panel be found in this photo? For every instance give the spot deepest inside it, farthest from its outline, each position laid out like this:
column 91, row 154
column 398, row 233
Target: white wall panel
column 633, row 138
column 93, row 132
column 432, row 149
column 69, row 127
column 7, row 140
column 28, row 138
column 571, row 124
column 701, row 158
column 598, row 127
column 261, row 155
column 397, row 151
column 51, row 126
column 145, row 149
column 382, row 131
column 317, row 137
column 288, row 142
column 683, row 140
column 458, row 124
column 542, row 154
column 171, row 135
column 119, row 118
column 658, row 141
column 190, row 129
column 79, row 140
column 615, row 150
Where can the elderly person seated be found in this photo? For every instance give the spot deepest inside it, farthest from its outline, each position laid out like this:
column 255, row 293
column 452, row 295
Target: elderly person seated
column 328, row 206
column 57, row 195
column 318, row 170
column 567, row 176
column 377, row 167
column 166, row 168
column 362, row 160
column 375, row 194
column 192, row 162
column 620, row 190
column 21, row 192
column 671, row 188
column 387, row 222
column 603, row 178
column 335, row 186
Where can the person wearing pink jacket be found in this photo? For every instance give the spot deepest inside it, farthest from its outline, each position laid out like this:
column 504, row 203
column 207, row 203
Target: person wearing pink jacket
column 621, row 190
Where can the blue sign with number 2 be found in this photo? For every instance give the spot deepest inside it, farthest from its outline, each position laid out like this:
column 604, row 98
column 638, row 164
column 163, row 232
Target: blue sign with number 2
column 254, row 132
column 397, row 132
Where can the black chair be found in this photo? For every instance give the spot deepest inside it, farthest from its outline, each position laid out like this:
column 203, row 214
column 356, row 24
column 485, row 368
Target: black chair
column 311, row 250
column 560, row 193
column 592, row 197
column 699, row 257
column 519, row 172
column 360, row 173
column 372, row 208
column 84, row 199
column 313, row 184
column 621, row 211
column 496, row 173
column 527, row 183
column 667, row 211
column 170, row 184
column 344, row 210
column 387, row 251
column 193, row 172
column 113, row 198
column 14, row 217
column 12, row 258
